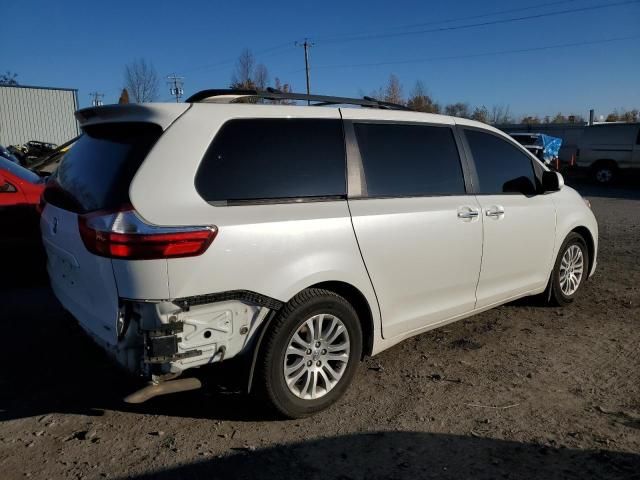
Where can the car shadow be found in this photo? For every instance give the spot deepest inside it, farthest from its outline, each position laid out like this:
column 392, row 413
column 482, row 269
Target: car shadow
column 627, row 189
column 22, row 265
column 408, row 455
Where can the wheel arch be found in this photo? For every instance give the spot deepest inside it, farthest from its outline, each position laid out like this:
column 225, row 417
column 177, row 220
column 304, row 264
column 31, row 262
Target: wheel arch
column 355, row 296
column 585, row 233
column 604, row 161
column 360, row 304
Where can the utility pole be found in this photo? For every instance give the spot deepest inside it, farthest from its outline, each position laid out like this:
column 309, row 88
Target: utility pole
column 306, row 45
column 97, row 99
column 175, row 86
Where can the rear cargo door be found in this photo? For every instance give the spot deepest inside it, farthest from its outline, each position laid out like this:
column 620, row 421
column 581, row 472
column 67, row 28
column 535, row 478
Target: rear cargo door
column 83, row 282
column 93, row 177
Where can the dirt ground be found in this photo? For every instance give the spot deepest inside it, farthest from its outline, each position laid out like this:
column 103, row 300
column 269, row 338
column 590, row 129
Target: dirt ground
column 522, row 391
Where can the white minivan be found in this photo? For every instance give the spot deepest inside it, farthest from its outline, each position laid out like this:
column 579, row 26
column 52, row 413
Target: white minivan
column 297, row 239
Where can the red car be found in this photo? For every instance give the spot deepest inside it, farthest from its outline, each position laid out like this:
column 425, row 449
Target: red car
column 20, row 243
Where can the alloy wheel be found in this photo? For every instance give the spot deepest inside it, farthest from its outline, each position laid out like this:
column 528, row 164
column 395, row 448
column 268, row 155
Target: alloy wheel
column 571, row 270
column 316, row 357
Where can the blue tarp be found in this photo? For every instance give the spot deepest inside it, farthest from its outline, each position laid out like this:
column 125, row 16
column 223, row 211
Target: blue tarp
column 550, row 147
column 545, row 147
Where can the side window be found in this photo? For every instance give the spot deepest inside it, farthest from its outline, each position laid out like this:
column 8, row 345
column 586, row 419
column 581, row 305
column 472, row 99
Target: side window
column 501, row 167
column 409, row 160
column 261, row 159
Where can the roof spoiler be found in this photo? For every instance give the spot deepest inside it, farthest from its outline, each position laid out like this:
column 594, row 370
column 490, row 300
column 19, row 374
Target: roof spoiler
column 161, row 114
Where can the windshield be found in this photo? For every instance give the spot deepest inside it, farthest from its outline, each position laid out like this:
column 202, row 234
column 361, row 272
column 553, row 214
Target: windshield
column 18, row 171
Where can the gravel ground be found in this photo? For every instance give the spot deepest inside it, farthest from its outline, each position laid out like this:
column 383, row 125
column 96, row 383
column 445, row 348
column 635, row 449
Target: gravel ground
column 521, row 391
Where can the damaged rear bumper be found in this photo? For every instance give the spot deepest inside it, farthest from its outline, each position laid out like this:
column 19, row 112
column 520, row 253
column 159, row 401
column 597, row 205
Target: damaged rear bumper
column 160, row 339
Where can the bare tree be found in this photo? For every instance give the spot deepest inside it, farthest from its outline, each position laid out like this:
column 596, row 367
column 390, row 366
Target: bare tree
column 632, row 115
column 393, row 91
column 124, row 97
column 459, row 109
column 261, row 77
column 420, row 101
column 8, row 78
column 623, row 115
column 500, row 114
column 480, row 114
column 284, row 88
column 612, row 117
column 141, row 81
column 242, row 76
column 530, row 120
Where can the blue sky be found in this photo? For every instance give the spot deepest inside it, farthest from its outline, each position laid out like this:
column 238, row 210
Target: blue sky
column 85, row 45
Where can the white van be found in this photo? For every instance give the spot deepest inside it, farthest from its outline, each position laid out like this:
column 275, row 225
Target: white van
column 299, row 238
column 609, row 150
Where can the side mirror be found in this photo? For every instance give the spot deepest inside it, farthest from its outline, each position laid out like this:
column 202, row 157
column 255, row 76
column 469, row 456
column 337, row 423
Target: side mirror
column 552, row 181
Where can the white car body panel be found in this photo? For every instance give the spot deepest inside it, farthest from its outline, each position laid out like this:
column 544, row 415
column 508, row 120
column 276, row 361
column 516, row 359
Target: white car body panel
column 84, row 283
column 287, row 242
column 517, row 246
column 142, row 279
column 572, row 213
column 438, row 279
column 162, row 190
column 292, row 247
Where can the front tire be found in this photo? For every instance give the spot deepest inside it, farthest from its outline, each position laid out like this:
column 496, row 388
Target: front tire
column 570, row 270
column 310, row 353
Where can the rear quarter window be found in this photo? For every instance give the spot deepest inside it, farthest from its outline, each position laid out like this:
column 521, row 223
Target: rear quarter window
column 97, row 172
column 274, row 160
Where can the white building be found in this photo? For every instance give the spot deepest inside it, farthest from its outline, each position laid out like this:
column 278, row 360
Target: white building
column 37, row 113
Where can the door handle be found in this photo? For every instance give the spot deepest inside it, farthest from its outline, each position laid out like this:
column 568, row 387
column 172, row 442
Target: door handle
column 467, row 212
column 494, row 211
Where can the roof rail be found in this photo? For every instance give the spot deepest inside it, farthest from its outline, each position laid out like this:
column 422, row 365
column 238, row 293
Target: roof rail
column 273, row 94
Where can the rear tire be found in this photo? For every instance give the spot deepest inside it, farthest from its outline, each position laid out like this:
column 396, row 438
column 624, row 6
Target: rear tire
column 309, row 354
column 570, row 271
column 604, row 173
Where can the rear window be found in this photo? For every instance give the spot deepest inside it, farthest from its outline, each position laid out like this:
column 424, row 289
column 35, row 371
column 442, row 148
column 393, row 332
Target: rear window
column 96, row 173
column 274, row 160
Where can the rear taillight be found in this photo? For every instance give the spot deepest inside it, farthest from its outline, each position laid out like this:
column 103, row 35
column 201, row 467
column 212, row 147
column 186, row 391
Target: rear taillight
column 123, row 234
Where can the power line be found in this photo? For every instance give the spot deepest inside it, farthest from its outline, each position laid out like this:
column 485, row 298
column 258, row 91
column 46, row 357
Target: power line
column 97, row 99
column 455, row 19
column 269, row 50
column 175, row 83
column 474, row 55
column 371, row 36
column 280, row 48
